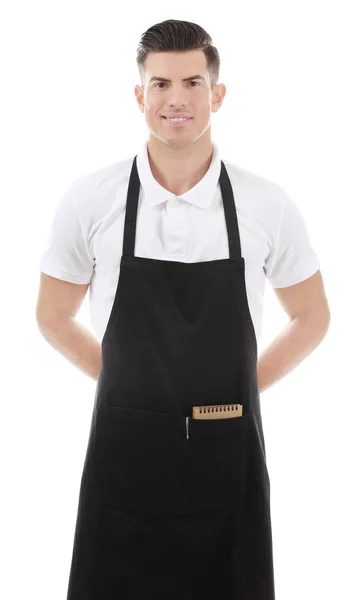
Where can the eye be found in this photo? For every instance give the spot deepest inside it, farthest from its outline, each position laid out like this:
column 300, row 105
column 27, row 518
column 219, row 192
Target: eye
column 163, row 83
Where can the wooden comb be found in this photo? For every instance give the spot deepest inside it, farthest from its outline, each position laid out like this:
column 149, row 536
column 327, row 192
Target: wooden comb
column 217, row 411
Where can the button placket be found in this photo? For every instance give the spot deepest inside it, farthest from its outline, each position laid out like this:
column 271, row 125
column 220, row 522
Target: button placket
column 177, row 243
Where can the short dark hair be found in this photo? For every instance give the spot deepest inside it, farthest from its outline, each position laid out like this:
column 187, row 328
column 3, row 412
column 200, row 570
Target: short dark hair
column 178, row 36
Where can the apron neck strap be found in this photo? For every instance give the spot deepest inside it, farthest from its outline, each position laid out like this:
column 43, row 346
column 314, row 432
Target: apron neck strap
column 228, row 204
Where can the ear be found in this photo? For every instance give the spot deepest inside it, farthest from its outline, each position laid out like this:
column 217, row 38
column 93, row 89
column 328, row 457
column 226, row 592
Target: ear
column 218, row 94
column 139, row 94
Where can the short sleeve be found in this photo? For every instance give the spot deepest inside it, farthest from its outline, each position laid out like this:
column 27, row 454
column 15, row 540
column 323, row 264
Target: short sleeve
column 292, row 257
column 67, row 254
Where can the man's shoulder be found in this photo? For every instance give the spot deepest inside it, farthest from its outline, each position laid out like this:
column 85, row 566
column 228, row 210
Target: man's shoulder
column 96, row 191
column 103, row 177
column 249, row 180
column 255, row 196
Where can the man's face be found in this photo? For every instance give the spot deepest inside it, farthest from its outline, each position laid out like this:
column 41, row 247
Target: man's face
column 193, row 98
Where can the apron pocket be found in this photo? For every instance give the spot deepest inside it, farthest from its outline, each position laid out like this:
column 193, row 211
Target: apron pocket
column 220, row 454
column 142, row 461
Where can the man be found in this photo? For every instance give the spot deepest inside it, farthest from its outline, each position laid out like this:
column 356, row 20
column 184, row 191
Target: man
column 175, row 491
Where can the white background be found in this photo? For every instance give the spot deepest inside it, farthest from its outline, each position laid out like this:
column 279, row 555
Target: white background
column 292, row 114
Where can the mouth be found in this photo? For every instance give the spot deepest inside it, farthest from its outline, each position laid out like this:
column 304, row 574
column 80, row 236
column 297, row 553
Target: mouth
column 180, row 122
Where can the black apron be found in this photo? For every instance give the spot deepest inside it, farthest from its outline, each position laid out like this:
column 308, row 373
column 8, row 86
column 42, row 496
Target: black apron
column 171, row 507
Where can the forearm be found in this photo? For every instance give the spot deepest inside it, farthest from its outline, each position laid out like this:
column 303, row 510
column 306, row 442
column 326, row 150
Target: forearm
column 295, row 342
column 76, row 343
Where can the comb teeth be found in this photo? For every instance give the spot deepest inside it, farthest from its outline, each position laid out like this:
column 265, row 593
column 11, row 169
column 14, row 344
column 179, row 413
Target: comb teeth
column 217, row 411
column 217, row 408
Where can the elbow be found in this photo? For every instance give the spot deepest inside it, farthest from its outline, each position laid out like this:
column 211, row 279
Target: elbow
column 316, row 322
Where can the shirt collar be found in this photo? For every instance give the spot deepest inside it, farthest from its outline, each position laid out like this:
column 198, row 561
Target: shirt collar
column 201, row 195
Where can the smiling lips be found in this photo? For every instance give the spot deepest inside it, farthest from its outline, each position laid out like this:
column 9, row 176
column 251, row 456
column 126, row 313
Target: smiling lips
column 176, row 115
column 184, row 119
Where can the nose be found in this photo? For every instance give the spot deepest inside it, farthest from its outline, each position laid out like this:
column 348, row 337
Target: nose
column 178, row 97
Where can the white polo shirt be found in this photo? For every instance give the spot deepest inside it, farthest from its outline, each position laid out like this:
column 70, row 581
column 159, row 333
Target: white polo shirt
column 86, row 236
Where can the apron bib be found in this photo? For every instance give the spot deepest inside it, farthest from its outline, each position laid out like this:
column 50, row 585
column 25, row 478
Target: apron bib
column 170, row 506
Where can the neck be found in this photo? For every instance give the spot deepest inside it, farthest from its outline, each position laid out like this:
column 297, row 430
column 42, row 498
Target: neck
column 178, row 169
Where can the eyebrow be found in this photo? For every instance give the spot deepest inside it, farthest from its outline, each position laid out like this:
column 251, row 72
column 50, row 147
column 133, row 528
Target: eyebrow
column 169, row 80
